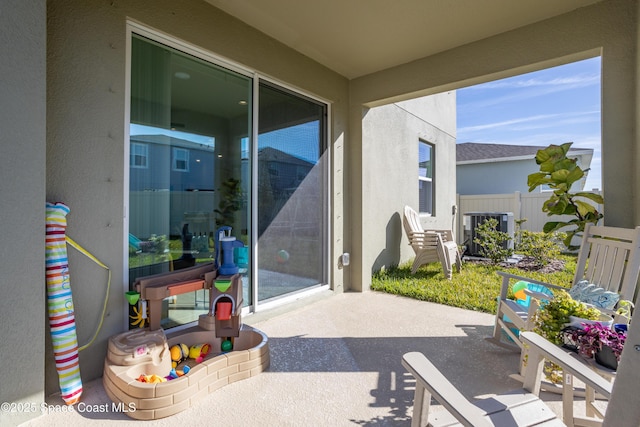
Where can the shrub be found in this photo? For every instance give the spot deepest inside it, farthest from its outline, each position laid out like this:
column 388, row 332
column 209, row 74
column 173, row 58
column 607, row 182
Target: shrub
column 493, row 243
column 541, row 247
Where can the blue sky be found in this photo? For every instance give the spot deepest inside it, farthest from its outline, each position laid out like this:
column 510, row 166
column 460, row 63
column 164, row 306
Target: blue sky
column 553, row 106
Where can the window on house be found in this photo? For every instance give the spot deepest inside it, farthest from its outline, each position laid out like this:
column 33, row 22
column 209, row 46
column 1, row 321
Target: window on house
column 180, row 160
column 426, row 181
column 139, row 155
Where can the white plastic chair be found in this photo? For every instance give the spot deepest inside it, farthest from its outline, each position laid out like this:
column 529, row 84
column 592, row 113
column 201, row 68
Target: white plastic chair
column 609, row 257
column 430, row 245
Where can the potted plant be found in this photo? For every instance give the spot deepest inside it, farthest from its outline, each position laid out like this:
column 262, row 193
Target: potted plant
column 553, row 316
column 231, row 199
column 550, row 322
column 602, row 343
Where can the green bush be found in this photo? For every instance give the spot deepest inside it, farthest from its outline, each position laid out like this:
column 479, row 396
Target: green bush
column 492, row 242
column 542, row 248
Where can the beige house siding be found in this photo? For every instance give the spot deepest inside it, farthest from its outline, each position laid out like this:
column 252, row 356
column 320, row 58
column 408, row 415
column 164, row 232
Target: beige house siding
column 22, row 189
column 391, row 134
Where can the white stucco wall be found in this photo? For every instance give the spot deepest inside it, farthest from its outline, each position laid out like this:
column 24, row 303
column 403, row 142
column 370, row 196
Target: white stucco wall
column 22, row 189
column 391, row 134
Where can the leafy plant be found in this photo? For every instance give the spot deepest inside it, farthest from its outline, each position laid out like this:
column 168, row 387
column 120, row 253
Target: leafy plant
column 540, row 247
column 560, row 172
column 231, row 199
column 156, row 244
column 493, row 243
column 551, row 318
column 625, row 309
column 595, row 336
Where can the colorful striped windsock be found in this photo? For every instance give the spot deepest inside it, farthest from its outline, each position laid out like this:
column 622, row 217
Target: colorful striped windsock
column 60, row 304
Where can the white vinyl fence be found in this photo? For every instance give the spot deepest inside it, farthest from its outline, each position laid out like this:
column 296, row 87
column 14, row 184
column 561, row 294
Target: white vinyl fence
column 522, row 206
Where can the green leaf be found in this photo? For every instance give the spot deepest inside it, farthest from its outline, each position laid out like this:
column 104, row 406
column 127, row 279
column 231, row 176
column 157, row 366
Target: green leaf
column 536, row 179
column 575, row 175
column 566, row 147
column 592, row 196
column 543, row 155
column 568, row 164
column 547, row 167
column 552, row 226
column 555, row 206
column 560, row 175
column 584, row 208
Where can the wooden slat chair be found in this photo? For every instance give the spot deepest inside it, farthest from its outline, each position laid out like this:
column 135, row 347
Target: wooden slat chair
column 609, row 257
column 517, row 408
column 430, row 245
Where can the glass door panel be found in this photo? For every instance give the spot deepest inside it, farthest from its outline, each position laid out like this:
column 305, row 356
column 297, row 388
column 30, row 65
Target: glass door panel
column 187, row 166
column 291, row 192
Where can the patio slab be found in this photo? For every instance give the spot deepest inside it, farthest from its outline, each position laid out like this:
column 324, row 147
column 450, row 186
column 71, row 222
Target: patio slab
column 335, row 361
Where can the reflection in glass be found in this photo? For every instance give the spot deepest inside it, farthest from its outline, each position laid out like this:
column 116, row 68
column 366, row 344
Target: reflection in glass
column 187, row 123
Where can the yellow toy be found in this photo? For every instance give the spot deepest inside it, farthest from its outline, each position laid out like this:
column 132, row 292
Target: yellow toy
column 199, row 352
column 179, row 353
column 152, row 379
column 140, row 317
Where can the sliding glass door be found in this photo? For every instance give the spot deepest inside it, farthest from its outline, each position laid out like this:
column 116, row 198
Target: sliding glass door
column 195, row 166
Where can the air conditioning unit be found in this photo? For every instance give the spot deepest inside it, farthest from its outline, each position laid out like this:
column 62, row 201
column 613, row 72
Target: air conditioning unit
column 471, row 220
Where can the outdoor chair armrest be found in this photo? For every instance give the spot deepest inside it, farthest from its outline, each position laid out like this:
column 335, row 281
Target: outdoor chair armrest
column 540, row 348
column 431, row 382
column 538, row 295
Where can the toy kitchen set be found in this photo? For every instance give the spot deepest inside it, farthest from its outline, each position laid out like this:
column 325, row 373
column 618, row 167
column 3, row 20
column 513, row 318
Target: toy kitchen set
column 162, row 374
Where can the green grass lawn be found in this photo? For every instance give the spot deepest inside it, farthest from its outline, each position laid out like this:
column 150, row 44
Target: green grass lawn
column 476, row 287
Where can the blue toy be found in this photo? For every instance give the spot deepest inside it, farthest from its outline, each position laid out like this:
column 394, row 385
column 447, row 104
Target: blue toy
column 225, row 245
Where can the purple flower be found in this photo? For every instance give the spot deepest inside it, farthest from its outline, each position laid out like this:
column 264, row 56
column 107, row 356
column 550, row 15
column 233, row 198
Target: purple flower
column 594, row 336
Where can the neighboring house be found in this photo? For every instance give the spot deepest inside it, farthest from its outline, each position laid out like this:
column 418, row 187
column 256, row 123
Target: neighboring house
column 77, row 74
column 503, row 168
column 160, row 162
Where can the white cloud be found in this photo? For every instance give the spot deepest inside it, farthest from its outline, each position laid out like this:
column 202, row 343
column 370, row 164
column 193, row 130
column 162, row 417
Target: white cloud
column 543, row 120
column 570, row 82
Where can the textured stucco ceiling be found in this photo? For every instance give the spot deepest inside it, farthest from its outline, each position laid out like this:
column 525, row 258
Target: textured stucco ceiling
column 359, row 37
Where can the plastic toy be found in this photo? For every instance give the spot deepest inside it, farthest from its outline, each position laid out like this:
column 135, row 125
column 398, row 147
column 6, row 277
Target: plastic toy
column 282, row 256
column 152, row 379
column 60, row 304
column 225, row 245
column 226, row 345
column 177, row 373
column 139, row 318
column 179, row 353
column 518, row 290
column 199, row 352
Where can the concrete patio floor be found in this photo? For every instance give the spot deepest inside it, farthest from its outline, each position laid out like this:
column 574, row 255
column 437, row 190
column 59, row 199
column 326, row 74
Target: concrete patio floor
column 335, row 361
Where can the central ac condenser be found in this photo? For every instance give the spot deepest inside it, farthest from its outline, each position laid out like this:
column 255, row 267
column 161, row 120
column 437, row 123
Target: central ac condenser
column 471, row 220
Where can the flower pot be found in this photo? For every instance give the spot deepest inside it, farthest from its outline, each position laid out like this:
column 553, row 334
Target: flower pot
column 620, row 327
column 607, row 358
